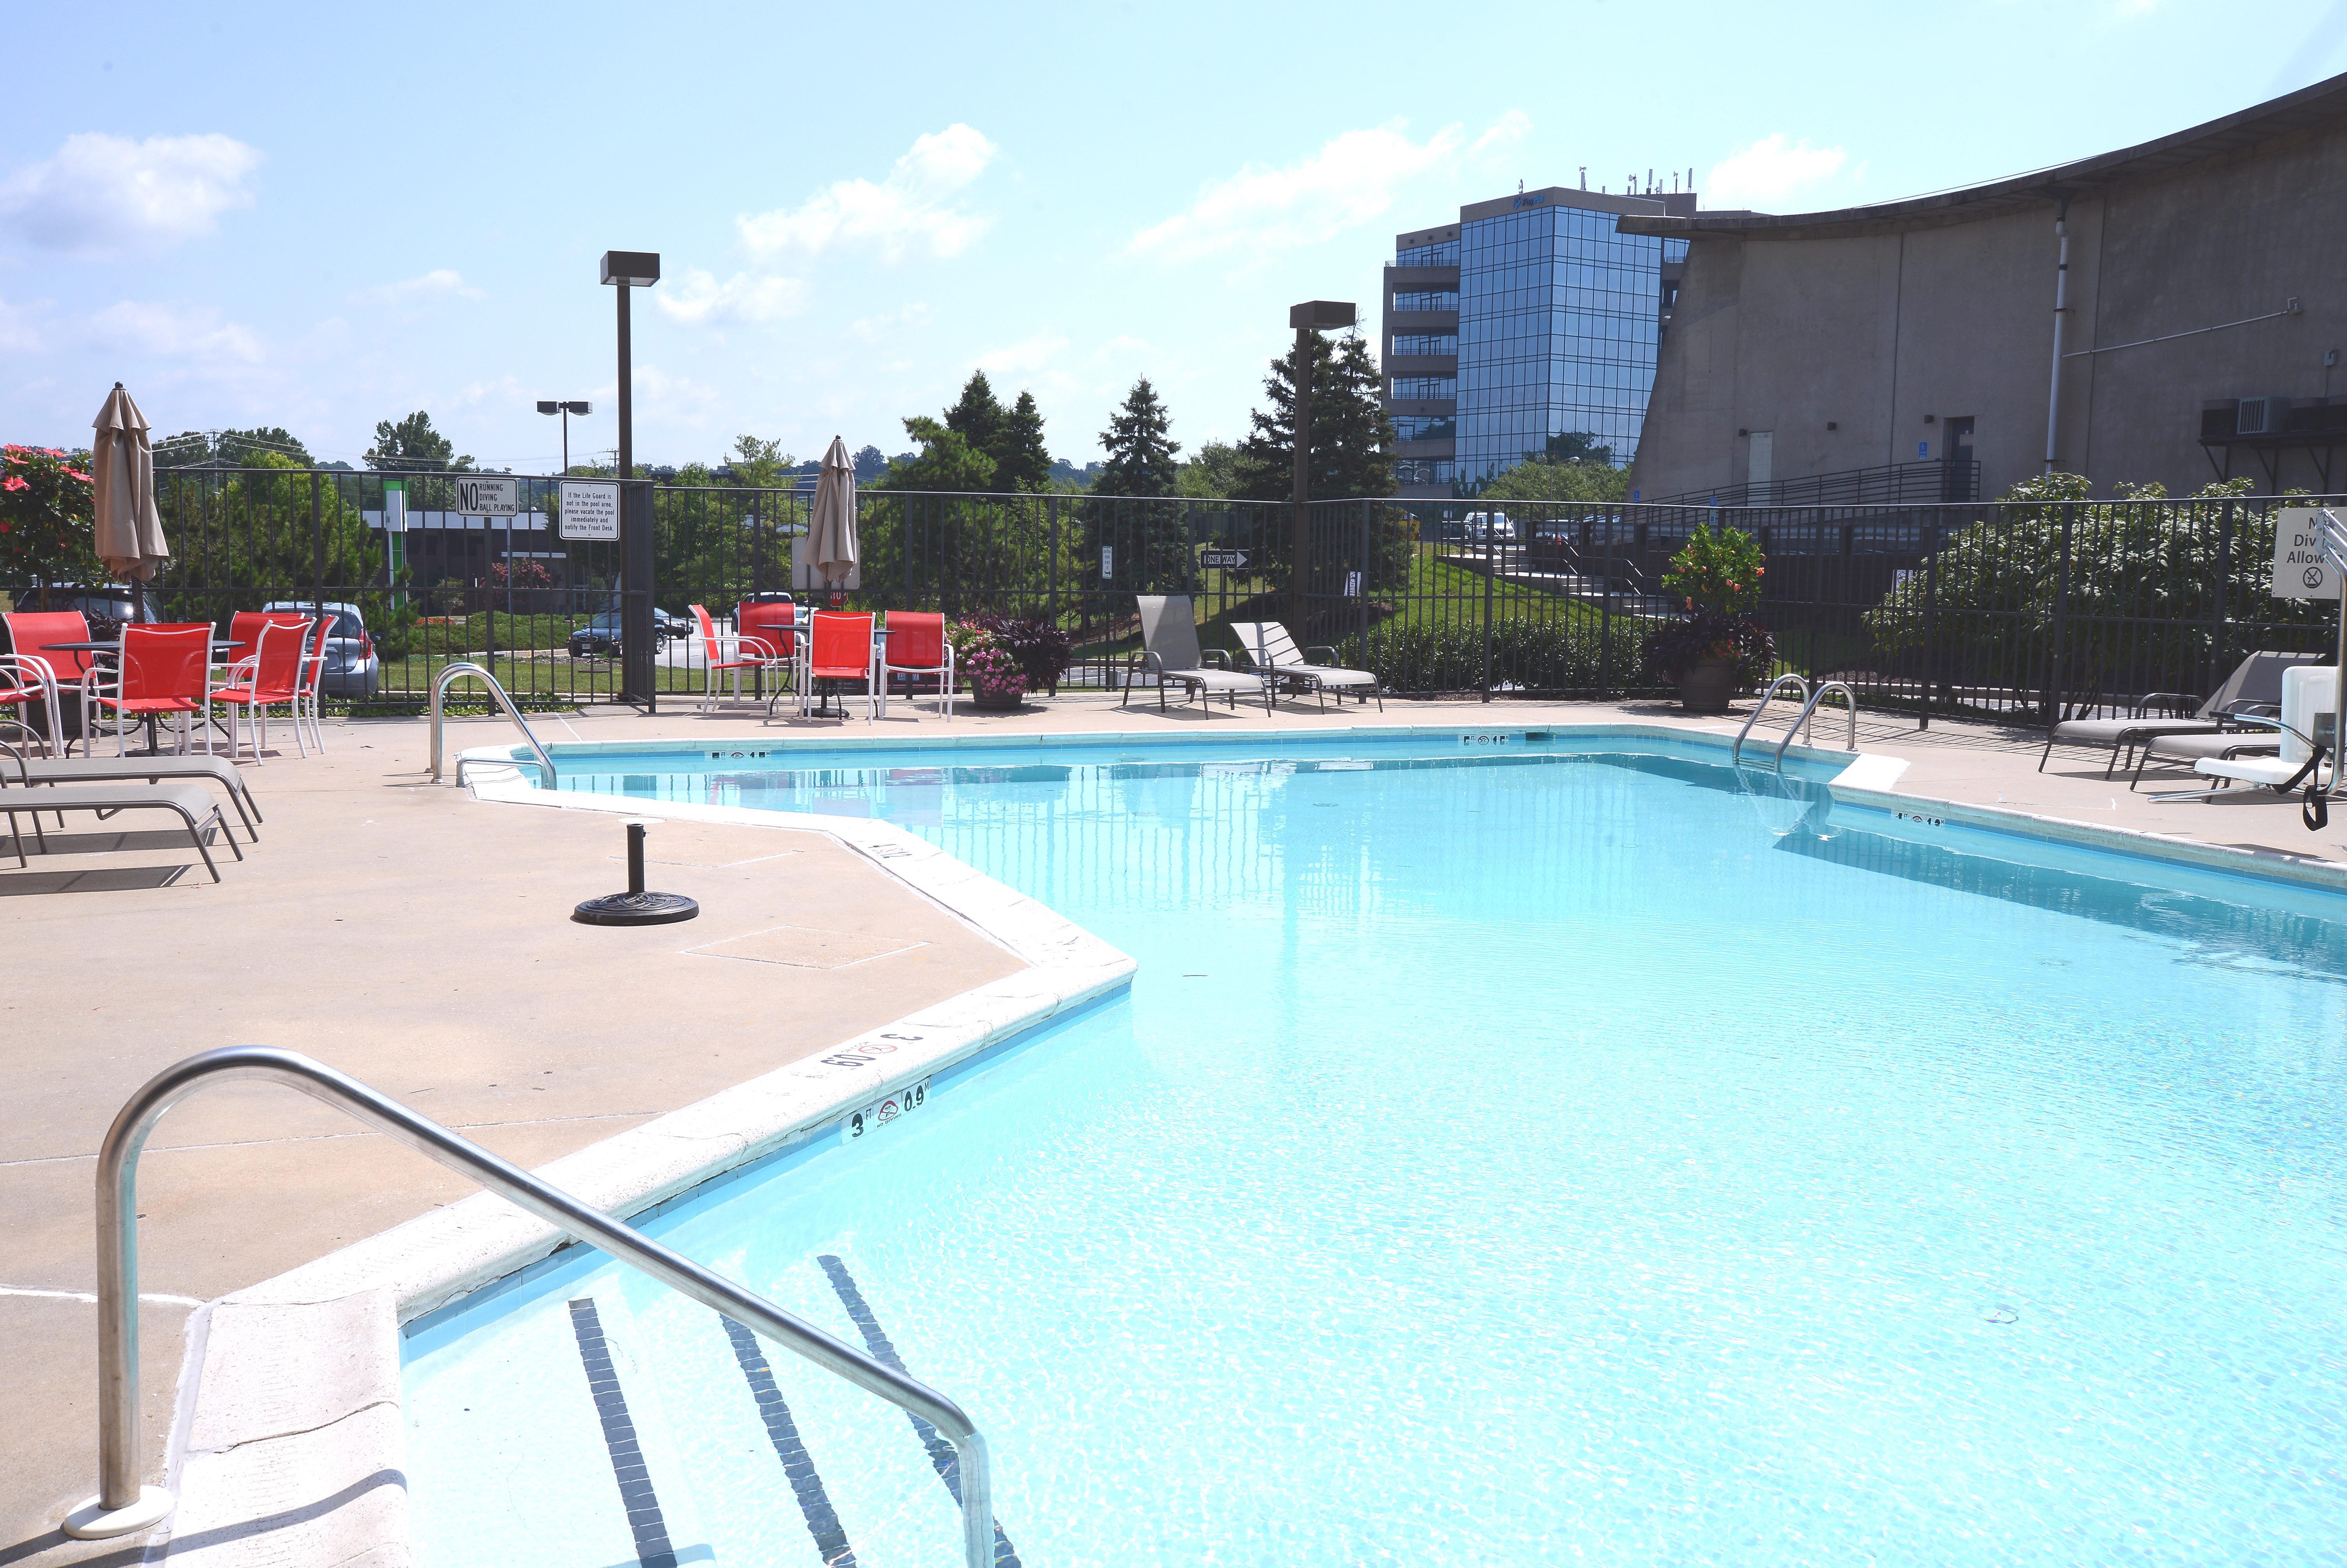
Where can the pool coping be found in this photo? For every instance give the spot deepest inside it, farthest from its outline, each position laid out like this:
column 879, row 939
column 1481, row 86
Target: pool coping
column 292, row 1392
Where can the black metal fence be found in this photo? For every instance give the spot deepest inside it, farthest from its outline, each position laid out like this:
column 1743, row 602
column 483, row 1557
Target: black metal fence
column 2016, row 611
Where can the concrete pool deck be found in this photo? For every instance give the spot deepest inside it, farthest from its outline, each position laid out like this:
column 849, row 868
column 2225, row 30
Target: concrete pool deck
column 416, row 938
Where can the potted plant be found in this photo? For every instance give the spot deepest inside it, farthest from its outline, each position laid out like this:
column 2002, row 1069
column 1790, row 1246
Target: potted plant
column 1716, row 647
column 996, row 681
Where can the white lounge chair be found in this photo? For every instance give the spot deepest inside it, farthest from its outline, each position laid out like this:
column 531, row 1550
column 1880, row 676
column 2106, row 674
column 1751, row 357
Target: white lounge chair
column 1169, row 650
column 1274, row 652
column 2253, row 688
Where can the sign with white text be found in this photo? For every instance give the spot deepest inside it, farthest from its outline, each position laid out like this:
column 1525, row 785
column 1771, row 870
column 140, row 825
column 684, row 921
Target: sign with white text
column 590, row 510
column 2298, row 570
column 487, row 498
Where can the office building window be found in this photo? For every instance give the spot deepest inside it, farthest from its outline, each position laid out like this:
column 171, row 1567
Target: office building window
column 1426, row 299
column 1426, row 343
column 1424, row 427
column 1416, row 388
column 1425, row 471
column 1443, row 254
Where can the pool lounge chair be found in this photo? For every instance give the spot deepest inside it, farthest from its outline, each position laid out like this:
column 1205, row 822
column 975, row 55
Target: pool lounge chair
column 2226, row 745
column 29, row 772
column 192, row 804
column 2307, row 722
column 2254, row 688
column 1169, row 650
column 1273, row 650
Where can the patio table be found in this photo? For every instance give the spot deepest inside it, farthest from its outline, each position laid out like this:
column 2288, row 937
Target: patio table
column 220, row 644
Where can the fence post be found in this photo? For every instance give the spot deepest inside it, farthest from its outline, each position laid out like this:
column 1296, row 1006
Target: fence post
column 2057, row 674
column 317, row 553
column 1362, row 619
column 1052, row 560
column 2224, row 578
column 640, row 669
column 1605, row 617
column 1490, row 570
column 1931, row 614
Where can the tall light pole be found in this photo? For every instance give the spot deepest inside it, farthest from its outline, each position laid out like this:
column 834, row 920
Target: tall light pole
column 565, row 410
column 627, row 270
column 1312, row 316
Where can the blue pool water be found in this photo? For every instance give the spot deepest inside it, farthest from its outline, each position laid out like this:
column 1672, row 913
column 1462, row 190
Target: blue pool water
column 1519, row 1153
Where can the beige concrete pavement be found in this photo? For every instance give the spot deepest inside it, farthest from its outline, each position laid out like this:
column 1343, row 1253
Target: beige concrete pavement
column 418, row 939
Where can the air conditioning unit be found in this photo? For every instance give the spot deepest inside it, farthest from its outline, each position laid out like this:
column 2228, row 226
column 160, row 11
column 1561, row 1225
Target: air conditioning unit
column 2260, row 416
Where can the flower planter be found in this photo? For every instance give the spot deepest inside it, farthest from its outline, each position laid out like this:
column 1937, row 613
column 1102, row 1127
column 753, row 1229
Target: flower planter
column 1706, row 688
column 997, row 699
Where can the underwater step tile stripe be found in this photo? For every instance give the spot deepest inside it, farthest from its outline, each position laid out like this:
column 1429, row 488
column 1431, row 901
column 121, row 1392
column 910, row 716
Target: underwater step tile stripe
column 636, row 1493
column 822, row 1519
column 876, row 1340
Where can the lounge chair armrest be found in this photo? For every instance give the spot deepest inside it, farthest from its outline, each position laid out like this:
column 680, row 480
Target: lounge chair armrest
column 2166, row 699
column 1327, row 647
column 1219, row 658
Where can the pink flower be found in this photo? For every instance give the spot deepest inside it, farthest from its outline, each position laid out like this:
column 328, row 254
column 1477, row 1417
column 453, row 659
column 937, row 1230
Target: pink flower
column 15, row 484
column 77, row 473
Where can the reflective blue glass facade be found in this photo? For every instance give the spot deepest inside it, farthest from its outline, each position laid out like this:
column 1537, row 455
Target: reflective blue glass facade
column 1559, row 322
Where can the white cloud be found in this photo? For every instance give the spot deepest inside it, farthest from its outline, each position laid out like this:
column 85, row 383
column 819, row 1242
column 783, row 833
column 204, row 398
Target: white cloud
column 872, row 329
column 107, row 193
column 1768, row 171
column 1028, row 356
column 696, row 296
column 912, row 210
column 438, row 283
column 18, row 332
column 1350, row 182
column 170, row 332
column 674, row 399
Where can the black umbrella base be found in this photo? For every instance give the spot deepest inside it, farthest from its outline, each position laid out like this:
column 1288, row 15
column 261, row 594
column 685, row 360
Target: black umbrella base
column 636, row 909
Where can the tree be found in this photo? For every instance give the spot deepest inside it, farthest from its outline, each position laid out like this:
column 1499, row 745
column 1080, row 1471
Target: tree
column 414, row 443
column 230, row 448
column 870, row 464
column 1021, row 462
column 1575, row 480
column 1141, row 455
column 1012, row 438
column 44, row 522
column 761, row 465
column 1212, row 474
column 1352, row 439
column 967, row 551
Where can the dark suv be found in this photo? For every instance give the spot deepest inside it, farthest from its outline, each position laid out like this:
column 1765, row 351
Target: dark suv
column 600, row 638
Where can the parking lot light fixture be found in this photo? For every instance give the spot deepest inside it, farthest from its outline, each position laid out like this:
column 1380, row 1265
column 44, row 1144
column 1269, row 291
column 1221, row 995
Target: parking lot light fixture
column 565, row 410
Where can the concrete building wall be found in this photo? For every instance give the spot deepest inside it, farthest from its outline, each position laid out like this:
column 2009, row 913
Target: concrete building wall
column 1871, row 326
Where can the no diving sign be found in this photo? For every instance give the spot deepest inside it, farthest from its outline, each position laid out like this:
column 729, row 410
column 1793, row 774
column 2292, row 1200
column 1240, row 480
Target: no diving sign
column 590, row 511
column 2298, row 570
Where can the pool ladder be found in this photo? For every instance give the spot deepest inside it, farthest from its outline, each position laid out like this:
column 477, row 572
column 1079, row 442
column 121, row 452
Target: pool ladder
column 468, row 670
column 123, row 1506
column 1807, row 715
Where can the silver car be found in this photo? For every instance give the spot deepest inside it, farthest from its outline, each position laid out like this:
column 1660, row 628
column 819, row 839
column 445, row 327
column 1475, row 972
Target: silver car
column 352, row 670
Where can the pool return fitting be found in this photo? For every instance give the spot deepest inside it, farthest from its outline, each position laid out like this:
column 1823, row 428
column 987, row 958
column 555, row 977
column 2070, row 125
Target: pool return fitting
column 124, row 1506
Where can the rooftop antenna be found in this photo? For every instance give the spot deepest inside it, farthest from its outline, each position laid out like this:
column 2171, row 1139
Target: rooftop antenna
column 1519, row 188
column 1584, row 177
column 1650, row 182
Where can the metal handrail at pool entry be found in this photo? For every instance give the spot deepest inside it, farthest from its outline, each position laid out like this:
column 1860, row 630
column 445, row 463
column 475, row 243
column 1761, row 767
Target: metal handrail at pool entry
column 439, row 692
column 123, row 1506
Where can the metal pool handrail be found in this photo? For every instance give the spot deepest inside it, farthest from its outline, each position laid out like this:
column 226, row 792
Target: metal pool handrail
column 1735, row 751
column 1807, row 713
column 122, row 1506
column 457, row 671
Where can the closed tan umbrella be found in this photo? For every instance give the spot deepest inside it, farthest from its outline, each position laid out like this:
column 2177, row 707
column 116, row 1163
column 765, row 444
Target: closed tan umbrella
column 831, row 527
column 122, row 502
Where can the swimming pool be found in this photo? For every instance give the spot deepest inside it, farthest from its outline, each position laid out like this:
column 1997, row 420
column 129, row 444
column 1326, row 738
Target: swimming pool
column 1511, row 1151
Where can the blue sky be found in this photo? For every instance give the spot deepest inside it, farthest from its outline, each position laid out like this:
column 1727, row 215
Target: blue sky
column 322, row 217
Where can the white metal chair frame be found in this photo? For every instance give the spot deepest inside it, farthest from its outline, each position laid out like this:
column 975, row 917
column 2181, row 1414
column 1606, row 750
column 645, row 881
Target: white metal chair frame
column 101, row 685
column 28, row 671
column 305, row 688
column 255, row 714
column 761, row 655
column 873, row 678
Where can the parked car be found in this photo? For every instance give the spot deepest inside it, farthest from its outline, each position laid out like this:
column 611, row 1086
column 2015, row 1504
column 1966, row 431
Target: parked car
column 352, row 670
column 1486, row 527
column 600, row 637
column 107, row 606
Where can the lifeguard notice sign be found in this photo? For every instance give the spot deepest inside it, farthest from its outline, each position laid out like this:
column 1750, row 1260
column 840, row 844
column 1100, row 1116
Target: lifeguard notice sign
column 589, row 510
column 2298, row 570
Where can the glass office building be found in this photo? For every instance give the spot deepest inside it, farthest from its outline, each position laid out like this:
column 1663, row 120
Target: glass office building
column 1529, row 320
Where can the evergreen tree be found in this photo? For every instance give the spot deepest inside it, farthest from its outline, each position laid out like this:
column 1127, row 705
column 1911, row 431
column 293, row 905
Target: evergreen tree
column 1021, row 462
column 976, row 417
column 1352, row 439
column 1142, row 460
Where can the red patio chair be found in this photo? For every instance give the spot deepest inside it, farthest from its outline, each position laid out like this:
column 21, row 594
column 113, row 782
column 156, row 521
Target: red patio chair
column 33, row 672
column 269, row 678
column 163, row 669
column 916, row 646
column 841, row 650
column 770, row 631
column 724, row 653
